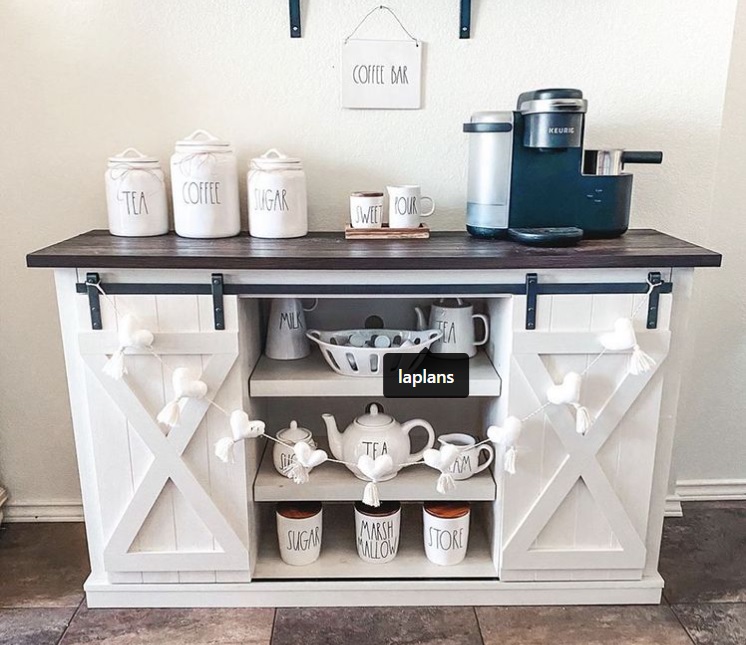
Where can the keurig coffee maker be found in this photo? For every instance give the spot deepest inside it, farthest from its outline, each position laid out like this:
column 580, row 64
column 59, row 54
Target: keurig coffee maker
column 530, row 178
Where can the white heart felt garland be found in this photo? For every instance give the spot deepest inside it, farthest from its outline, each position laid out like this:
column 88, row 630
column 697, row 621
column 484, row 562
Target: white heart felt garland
column 306, row 459
column 187, row 385
column 375, row 470
column 442, row 459
column 131, row 334
column 624, row 338
column 505, row 438
column 568, row 392
column 241, row 428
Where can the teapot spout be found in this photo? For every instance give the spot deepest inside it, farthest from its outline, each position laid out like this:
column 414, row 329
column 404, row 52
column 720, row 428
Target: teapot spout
column 334, row 436
column 421, row 322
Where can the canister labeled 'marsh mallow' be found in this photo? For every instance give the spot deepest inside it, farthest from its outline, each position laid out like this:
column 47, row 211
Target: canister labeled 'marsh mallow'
column 278, row 204
column 204, row 182
column 136, row 195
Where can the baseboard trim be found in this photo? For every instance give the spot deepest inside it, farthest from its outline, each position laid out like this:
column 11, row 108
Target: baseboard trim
column 44, row 511
column 697, row 490
column 673, row 507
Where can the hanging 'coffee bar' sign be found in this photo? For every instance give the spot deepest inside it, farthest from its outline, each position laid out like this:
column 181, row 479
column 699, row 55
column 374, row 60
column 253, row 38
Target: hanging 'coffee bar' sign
column 381, row 74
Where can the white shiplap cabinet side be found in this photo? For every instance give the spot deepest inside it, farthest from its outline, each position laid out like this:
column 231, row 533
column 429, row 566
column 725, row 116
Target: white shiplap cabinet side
column 159, row 506
column 578, row 506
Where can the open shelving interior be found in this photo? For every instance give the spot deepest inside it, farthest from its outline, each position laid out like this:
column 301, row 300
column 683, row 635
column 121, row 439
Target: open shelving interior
column 339, row 557
column 334, row 482
column 312, row 376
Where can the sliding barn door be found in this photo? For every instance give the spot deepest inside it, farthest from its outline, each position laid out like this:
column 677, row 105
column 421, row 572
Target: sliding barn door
column 577, row 507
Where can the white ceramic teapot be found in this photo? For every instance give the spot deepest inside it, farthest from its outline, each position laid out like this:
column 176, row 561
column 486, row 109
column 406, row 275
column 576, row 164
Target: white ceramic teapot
column 375, row 434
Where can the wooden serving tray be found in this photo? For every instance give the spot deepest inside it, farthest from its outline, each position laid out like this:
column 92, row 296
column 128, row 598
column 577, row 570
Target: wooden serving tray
column 422, row 232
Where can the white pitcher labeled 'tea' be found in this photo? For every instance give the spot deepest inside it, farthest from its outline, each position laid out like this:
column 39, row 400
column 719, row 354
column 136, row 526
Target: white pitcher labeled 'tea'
column 374, row 434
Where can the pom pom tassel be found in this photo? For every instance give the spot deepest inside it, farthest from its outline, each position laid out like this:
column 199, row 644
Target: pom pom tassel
column 445, row 483
column 509, row 460
column 583, row 420
column 114, row 367
column 640, row 362
column 224, row 449
column 297, row 472
column 170, row 414
column 370, row 495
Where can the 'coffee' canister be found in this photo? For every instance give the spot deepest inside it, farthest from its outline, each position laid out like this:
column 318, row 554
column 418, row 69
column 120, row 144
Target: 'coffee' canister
column 136, row 195
column 204, row 182
column 277, row 196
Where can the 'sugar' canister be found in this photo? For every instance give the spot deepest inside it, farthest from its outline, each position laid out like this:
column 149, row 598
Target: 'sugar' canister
column 277, row 196
column 204, row 183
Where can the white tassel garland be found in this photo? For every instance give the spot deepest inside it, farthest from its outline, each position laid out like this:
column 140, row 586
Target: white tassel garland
column 583, row 419
column 114, row 367
column 445, row 483
column 509, row 460
column 370, row 495
column 170, row 414
column 224, row 449
column 640, row 362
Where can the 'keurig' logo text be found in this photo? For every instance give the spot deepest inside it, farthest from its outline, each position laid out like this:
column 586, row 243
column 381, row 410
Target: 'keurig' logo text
column 425, row 375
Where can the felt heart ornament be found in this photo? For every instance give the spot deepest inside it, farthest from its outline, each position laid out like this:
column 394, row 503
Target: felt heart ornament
column 443, row 461
column 130, row 334
column 566, row 392
column 623, row 337
column 241, row 428
column 186, row 385
column 506, row 437
column 307, row 456
column 375, row 470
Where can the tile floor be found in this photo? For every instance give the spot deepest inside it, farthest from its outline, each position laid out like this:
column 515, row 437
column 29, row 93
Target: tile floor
column 43, row 566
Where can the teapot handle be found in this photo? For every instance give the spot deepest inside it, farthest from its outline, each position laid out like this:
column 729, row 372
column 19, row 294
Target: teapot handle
column 419, row 423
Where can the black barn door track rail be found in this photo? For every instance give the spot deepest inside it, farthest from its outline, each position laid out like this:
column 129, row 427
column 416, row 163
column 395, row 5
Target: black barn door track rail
column 217, row 288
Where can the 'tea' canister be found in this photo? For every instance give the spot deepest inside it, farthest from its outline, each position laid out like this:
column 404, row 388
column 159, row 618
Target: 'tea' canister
column 277, row 196
column 204, row 183
column 136, row 195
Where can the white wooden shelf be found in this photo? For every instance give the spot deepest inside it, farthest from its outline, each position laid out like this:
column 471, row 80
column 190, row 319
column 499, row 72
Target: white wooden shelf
column 311, row 376
column 339, row 557
column 334, row 482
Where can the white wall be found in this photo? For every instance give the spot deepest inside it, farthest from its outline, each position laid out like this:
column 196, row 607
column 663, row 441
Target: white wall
column 83, row 79
column 712, row 435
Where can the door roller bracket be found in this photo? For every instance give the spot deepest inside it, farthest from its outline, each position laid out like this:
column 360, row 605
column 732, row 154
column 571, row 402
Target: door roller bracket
column 654, row 278
column 92, row 280
column 218, row 311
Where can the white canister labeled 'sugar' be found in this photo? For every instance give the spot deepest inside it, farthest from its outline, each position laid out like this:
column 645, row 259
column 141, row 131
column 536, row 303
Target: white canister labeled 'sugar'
column 204, row 182
column 136, row 195
column 278, row 204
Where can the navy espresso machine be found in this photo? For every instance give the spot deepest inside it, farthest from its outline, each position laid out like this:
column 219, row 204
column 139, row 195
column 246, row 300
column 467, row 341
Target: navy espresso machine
column 530, row 179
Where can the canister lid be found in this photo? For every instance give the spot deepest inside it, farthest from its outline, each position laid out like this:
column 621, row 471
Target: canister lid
column 447, row 510
column 273, row 159
column 203, row 140
column 490, row 122
column 385, row 509
column 298, row 510
column 132, row 156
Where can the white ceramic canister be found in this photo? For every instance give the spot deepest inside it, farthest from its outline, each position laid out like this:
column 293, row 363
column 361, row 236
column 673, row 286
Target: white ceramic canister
column 446, row 531
column 299, row 530
column 278, row 205
column 283, row 454
column 204, row 183
column 377, row 531
column 136, row 195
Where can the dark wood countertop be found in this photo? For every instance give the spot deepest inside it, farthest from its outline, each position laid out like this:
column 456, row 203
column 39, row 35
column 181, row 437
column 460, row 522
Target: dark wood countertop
column 640, row 248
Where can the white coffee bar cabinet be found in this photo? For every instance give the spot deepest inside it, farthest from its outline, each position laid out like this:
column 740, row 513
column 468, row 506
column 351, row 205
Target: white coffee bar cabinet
column 169, row 524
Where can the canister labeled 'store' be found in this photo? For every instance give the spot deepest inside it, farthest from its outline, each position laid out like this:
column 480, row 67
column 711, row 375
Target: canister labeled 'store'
column 204, row 182
column 277, row 196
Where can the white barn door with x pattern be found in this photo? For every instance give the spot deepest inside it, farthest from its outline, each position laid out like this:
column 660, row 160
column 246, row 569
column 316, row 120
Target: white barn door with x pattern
column 572, row 511
column 170, row 511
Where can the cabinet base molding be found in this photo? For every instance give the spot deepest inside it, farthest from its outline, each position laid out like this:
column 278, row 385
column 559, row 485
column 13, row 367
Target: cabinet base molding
column 700, row 490
column 367, row 593
column 44, row 511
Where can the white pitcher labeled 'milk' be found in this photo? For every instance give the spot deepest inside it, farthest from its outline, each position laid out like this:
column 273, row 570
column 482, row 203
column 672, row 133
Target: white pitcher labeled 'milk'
column 286, row 330
column 136, row 195
column 375, row 434
column 277, row 196
column 204, row 183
